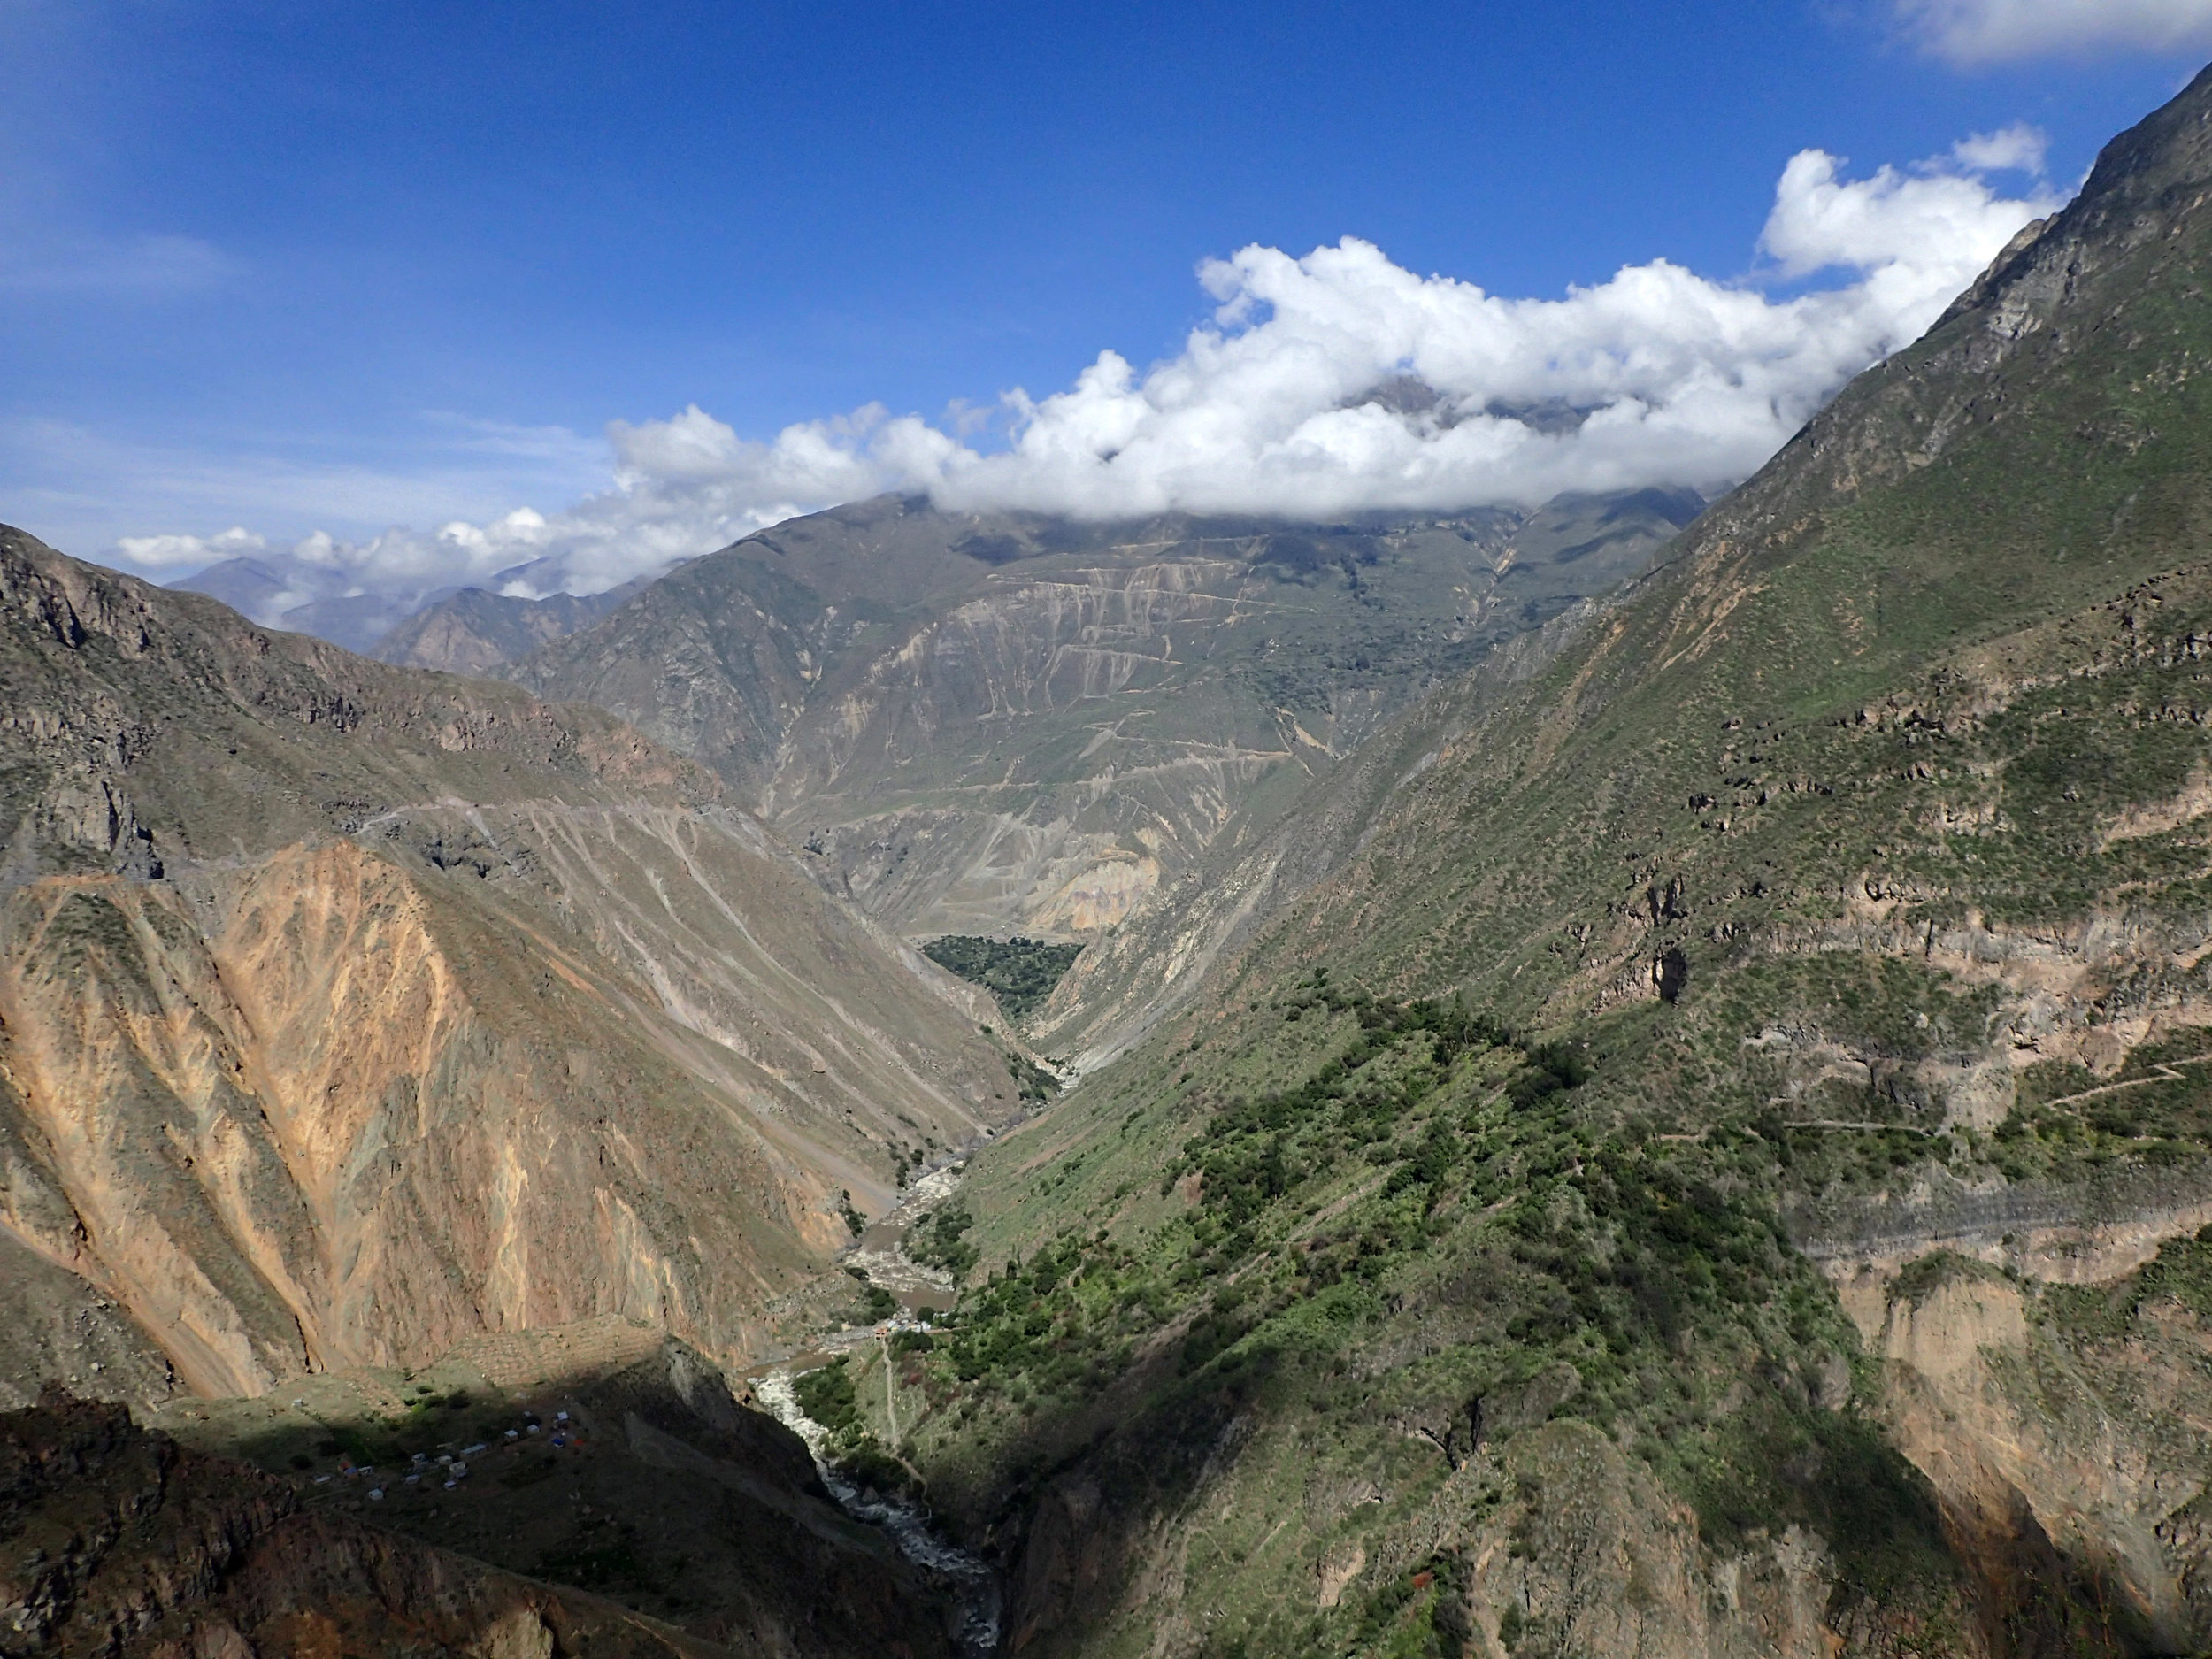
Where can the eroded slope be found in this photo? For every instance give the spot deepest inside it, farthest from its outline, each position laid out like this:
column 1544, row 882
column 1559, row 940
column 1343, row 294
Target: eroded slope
column 345, row 1011
column 1014, row 723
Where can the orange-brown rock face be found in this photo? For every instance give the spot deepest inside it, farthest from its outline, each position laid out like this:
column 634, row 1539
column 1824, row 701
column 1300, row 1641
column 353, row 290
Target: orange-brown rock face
column 2066, row 1430
column 528, row 1028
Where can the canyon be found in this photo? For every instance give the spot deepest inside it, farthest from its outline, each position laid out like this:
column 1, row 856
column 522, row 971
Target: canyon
column 1008, row 723
column 1633, row 1084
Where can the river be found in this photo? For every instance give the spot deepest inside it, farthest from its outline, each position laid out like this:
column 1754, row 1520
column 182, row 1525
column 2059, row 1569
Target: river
column 973, row 1583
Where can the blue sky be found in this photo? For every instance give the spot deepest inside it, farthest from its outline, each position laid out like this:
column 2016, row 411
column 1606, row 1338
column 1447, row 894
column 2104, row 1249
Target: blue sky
column 310, row 267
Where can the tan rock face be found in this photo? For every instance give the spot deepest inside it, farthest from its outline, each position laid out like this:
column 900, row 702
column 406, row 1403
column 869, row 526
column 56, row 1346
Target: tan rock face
column 529, row 1028
column 317, row 1137
column 1101, row 896
column 2070, row 1471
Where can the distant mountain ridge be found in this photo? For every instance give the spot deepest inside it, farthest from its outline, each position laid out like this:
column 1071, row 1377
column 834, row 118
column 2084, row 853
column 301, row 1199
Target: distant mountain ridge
column 997, row 722
column 981, row 724
column 277, row 590
column 359, row 610
column 475, row 630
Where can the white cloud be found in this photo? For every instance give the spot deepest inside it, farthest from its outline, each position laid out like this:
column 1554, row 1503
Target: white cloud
column 2015, row 149
column 1322, row 386
column 1914, row 234
column 86, row 490
column 1971, row 33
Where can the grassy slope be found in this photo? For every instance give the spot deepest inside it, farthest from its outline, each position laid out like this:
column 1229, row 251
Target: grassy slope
column 1907, row 682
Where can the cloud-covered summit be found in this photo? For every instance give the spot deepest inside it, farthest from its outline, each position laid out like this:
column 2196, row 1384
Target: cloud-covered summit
column 1656, row 376
column 1321, row 385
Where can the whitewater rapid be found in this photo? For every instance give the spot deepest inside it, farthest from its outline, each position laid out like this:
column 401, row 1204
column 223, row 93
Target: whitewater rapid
column 974, row 1585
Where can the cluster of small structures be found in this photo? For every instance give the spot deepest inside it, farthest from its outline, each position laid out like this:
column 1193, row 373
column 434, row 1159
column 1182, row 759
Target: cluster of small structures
column 448, row 1467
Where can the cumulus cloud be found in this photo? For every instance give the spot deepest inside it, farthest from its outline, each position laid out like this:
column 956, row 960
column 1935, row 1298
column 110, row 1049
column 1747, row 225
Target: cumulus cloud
column 2015, row 149
column 1973, row 33
column 1325, row 385
column 680, row 487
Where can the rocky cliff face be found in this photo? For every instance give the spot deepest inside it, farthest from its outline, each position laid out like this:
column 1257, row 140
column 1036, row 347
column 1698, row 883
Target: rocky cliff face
column 2067, row 1433
column 979, row 724
column 665, row 1492
column 126, row 1543
column 346, row 1011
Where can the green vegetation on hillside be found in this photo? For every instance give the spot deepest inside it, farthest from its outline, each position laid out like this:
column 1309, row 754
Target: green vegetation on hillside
column 2181, row 1274
column 1020, row 973
column 1414, row 1178
column 826, row 1396
column 876, row 1303
column 1847, row 885
column 940, row 1240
